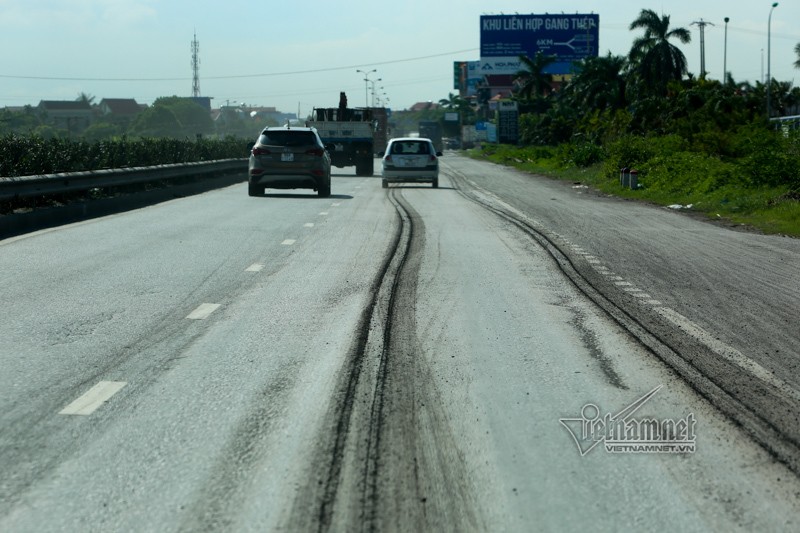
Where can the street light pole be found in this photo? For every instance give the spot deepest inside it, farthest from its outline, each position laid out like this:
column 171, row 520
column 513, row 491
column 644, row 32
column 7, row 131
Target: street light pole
column 366, row 84
column 373, row 82
column 725, row 55
column 769, row 73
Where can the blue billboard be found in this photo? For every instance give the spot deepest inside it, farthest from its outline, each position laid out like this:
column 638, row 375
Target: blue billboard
column 569, row 38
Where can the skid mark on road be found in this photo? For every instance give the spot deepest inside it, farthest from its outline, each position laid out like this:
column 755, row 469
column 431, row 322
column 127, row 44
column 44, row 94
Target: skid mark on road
column 746, row 392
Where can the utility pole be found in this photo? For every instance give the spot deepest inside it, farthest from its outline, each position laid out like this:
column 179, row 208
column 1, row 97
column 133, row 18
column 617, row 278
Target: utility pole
column 702, row 25
column 725, row 55
column 769, row 73
column 195, row 66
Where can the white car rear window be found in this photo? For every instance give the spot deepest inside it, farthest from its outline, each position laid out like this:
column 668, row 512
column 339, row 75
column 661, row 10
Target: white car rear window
column 410, row 148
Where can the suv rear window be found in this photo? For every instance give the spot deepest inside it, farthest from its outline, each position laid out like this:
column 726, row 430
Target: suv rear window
column 287, row 138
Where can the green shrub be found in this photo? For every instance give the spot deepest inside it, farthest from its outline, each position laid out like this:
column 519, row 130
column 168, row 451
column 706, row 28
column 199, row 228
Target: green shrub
column 633, row 151
column 686, row 174
column 30, row 155
column 582, row 154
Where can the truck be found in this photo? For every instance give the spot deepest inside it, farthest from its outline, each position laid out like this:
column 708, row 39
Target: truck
column 432, row 129
column 352, row 133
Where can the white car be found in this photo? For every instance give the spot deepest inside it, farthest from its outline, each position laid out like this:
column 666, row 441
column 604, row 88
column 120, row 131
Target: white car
column 410, row 160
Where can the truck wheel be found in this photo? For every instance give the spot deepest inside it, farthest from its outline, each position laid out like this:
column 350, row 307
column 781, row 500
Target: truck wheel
column 384, row 184
column 436, row 183
column 324, row 190
column 365, row 167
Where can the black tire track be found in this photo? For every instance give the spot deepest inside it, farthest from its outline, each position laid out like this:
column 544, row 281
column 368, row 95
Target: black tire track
column 377, row 472
column 769, row 417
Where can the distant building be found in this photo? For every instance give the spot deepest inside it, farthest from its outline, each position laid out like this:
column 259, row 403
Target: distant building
column 259, row 115
column 264, row 115
column 74, row 116
column 494, row 86
column 202, row 101
column 423, row 106
column 120, row 111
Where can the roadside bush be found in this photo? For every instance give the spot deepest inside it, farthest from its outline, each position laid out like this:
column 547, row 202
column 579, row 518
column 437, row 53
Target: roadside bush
column 581, row 154
column 770, row 158
column 686, row 174
column 633, row 151
column 30, row 155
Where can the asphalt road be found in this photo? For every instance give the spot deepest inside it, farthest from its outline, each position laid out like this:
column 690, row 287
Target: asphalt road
column 406, row 359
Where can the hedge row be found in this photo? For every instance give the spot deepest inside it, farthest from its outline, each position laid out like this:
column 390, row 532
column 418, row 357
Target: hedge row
column 33, row 155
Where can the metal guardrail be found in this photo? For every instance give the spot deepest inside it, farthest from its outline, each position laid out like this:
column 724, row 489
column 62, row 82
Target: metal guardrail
column 28, row 186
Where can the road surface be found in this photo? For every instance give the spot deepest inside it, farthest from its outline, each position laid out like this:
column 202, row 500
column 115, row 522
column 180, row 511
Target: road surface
column 408, row 359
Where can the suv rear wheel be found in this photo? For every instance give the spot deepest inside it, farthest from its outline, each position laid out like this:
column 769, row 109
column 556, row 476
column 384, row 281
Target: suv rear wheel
column 255, row 190
column 324, row 190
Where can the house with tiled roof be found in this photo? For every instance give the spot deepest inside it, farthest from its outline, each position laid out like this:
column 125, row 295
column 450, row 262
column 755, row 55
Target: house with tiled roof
column 423, row 106
column 74, row 116
column 119, row 107
column 119, row 110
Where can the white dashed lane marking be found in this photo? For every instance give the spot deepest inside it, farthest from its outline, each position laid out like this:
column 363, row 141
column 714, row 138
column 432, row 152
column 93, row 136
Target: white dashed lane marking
column 288, row 242
column 308, row 225
column 255, row 267
column 93, row 398
column 203, row 311
column 323, row 214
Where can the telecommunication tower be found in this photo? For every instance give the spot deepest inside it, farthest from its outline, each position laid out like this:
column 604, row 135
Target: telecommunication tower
column 195, row 66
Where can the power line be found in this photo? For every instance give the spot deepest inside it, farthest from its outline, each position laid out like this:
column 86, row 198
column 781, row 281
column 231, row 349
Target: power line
column 240, row 76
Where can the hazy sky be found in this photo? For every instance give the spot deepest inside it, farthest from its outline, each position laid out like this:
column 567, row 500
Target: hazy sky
column 294, row 54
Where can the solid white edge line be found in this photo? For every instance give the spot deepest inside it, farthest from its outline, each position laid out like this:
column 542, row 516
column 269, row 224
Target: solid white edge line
column 727, row 352
column 89, row 401
column 202, row 311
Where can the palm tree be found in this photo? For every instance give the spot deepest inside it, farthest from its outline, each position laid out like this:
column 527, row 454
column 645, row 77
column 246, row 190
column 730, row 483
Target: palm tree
column 83, row 97
column 655, row 60
column 531, row 80
column 599, row 83
column 453, row 101
column 797, row 51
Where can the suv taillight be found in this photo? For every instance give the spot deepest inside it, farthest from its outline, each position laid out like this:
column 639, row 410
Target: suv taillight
column 260, row 151
column 316, row 151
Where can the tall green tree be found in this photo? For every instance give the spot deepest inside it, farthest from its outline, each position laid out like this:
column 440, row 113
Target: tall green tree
column 531, row 80
column 156, row 121
column 192, row 117
column 83, row 97
column 453, row 101
column 655, row 60
column 599, row 83
column 797, row 51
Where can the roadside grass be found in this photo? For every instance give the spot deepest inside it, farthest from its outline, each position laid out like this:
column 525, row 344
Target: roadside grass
column 683, row 179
